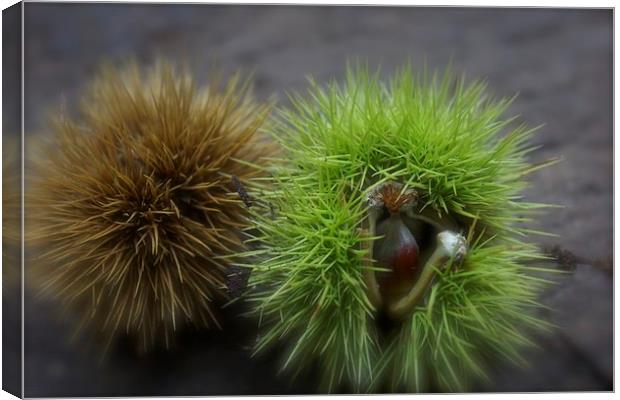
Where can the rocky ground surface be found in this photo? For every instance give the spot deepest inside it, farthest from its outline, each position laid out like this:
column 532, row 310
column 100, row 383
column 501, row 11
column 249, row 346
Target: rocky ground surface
column 559, row 61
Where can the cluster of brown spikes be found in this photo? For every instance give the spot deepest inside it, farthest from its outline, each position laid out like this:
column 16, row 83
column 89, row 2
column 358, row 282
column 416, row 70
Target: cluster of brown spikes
column 394, row 199
column 132, row 205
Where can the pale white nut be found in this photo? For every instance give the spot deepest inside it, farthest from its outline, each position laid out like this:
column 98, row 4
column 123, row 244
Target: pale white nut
column 454, row 245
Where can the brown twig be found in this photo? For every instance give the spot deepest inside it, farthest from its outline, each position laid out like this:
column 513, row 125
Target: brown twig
column 569, row 260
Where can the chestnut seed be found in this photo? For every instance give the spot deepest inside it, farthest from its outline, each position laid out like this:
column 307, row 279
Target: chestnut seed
column 398, row 251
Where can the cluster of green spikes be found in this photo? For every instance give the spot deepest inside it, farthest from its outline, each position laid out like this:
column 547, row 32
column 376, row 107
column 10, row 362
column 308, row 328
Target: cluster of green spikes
column 449, row 141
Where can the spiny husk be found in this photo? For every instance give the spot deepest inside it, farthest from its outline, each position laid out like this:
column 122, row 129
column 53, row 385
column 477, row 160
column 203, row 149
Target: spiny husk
column 11, row 214
column 132, row 202
column 449, row 141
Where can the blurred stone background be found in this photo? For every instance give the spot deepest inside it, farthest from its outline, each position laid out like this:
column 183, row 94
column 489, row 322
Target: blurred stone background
column 558, row 60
